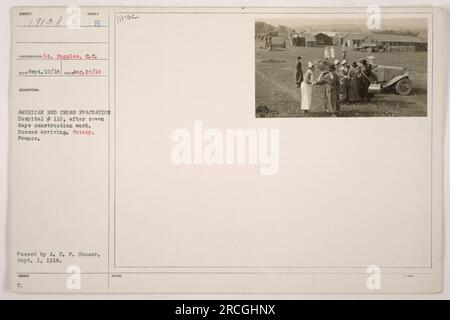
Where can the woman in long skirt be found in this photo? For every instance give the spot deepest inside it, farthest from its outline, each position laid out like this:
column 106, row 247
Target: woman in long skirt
column 332, row 86
column 344, row 79
column 326, row 53
column 306, row 88
column 353, row 83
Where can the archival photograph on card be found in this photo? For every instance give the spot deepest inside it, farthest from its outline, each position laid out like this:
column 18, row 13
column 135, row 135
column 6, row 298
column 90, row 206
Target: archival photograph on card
column 341, row 67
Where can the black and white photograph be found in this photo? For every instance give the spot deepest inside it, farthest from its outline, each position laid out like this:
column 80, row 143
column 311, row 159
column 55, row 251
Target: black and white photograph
column 341, row 68
column 203, row 152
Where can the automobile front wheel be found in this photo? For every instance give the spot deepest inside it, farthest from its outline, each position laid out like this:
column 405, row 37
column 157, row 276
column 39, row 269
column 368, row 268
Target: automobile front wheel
column 403, row 87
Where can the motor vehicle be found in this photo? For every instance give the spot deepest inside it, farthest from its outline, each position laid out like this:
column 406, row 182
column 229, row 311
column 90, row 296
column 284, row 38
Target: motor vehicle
column 391, row 78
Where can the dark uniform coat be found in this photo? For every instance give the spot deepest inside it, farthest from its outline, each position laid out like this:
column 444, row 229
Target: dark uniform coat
column 332, row 86
column 298, row 73
column 366, row 76
column 353, row 84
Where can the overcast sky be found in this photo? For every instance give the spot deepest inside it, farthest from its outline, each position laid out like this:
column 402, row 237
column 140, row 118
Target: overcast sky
column 386, row 23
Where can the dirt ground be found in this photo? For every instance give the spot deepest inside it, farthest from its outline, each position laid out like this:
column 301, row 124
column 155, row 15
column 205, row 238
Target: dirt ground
column 278, row 96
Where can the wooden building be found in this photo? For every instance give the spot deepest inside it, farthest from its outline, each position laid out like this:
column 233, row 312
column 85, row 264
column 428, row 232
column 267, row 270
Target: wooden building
column 303, row 39
column 322, row 39
column 352, row 39
column 392, row 41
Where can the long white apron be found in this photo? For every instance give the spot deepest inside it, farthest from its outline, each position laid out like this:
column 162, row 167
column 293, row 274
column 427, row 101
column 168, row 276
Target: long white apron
column 306, row 92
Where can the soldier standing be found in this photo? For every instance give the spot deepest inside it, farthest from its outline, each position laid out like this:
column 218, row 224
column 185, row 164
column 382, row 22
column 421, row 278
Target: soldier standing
column 298, row 72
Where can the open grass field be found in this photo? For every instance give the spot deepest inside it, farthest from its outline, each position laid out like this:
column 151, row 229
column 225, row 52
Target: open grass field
column 278, row 96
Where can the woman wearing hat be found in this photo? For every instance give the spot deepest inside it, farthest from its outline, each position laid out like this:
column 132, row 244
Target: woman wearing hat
column 326, row 53
column 353, row 83
column 306, row 88
column 365, row 80
column 332, row 85
column 332, row 52
column 344, row 70
column 336, row 63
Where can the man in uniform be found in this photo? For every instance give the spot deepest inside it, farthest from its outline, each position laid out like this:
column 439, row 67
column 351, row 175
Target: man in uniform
column 298, row 72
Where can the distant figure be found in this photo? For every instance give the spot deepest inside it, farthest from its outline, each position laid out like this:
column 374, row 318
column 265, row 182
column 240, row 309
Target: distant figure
column 344, row 53
column 387, row 48
column 332, row 53
column 332, row 85
column 298, row 72
column 327, row 53
column 268, row 42
column 306, row 88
